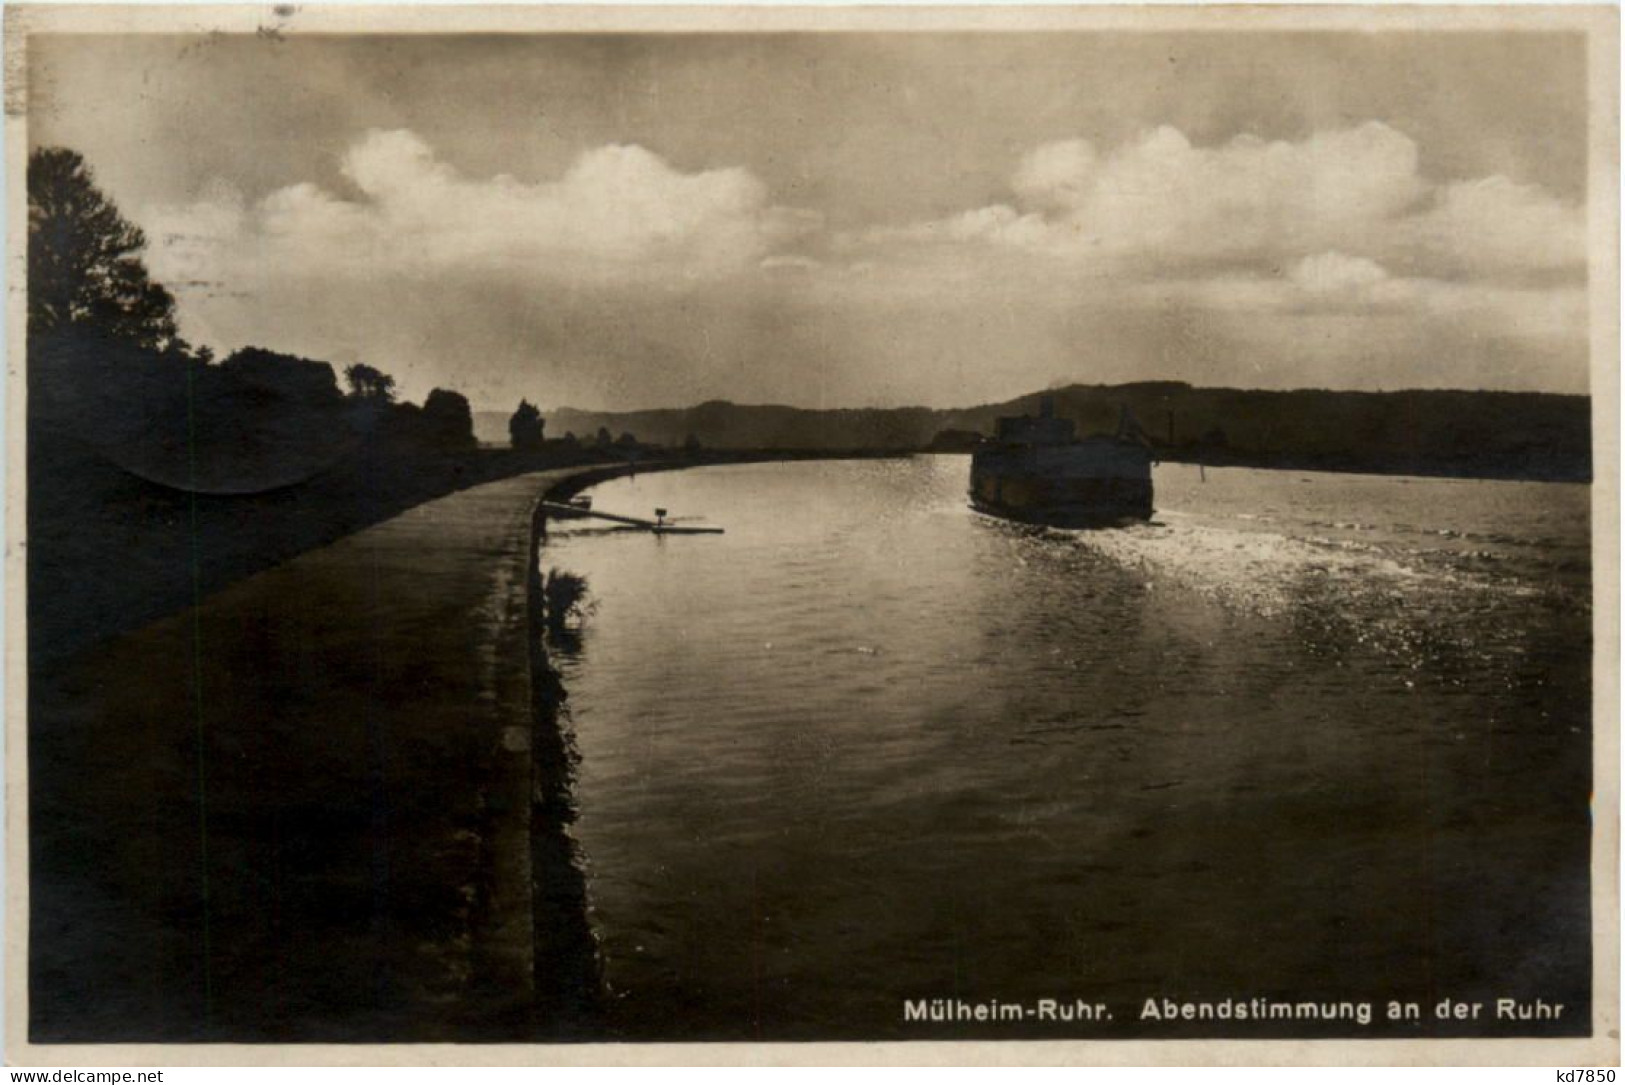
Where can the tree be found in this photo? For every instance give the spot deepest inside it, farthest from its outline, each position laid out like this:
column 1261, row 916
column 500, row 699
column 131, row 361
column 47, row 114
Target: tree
column 604, row 438
column 370, row 384
column 447, row 420
column 286, row 377
column 84, row 264
column 525, row 427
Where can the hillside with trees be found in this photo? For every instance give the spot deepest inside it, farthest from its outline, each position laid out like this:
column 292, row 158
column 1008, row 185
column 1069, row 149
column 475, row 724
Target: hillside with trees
column 1473, row 434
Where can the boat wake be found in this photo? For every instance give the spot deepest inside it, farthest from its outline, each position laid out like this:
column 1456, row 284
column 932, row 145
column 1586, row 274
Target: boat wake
column 1261, row 566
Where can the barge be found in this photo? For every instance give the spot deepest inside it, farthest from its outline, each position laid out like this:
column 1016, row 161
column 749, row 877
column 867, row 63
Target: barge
column 1037, row 471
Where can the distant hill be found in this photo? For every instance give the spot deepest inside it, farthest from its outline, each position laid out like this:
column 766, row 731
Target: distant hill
column 1472, row 434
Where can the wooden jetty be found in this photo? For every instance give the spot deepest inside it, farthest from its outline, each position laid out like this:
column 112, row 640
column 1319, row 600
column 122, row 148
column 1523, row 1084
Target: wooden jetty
column 660, row 526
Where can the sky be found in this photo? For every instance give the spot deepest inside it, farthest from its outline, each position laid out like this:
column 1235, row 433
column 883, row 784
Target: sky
column 625, row 221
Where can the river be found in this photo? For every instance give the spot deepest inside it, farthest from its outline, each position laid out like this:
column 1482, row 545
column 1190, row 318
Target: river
column 1302, row 736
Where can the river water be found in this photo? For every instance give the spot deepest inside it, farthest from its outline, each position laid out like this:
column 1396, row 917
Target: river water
column 1303, row 736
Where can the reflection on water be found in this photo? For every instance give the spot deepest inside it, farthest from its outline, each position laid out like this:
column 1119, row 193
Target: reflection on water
column 1304, row 735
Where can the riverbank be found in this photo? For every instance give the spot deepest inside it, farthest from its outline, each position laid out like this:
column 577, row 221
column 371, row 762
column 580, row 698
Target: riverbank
column 302, row 810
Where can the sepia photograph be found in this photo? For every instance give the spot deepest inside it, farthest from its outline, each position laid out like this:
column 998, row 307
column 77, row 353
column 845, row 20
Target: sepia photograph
column 748, row 526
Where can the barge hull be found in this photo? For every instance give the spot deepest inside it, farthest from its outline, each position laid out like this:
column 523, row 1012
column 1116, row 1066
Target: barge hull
column 1086, row 503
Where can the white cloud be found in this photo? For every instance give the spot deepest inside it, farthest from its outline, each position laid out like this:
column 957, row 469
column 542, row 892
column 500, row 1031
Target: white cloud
column 1334, row 254
column 1329, row 260
column 1159, row 205
column 1057, row 175
column 1495, row 225
column 620, row 213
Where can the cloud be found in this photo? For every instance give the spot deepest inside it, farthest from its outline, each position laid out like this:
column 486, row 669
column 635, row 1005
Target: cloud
column 1332, row 256
column 1496, row 226
column 1057, row 175
column 790, row 262
column 1159, row 205
column 1330, row 260
column 619, row 214
column 1333, row 273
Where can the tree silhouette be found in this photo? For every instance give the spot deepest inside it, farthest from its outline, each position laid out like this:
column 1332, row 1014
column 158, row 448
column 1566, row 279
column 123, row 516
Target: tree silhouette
column 369, row 383
column 84, row 265
column 525, row 427
column 448, row 420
